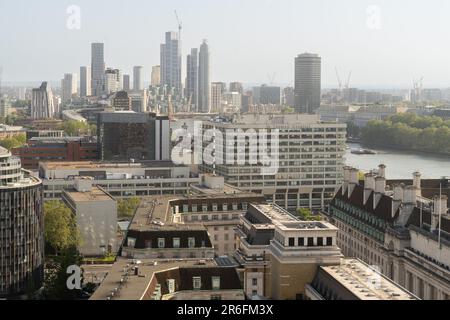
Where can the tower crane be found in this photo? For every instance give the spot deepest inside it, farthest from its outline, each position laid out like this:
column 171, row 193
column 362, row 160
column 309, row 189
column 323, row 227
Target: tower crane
column 180, row 24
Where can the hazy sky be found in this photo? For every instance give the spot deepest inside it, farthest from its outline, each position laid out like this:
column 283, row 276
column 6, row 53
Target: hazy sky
column 385, row 43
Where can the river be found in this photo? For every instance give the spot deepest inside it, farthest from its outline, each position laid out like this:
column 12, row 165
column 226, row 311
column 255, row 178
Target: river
column 400, row 164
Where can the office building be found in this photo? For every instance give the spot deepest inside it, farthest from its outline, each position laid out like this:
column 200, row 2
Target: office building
column 42, row 102
column 279, row 254
column 11, row 131
column 95, row 211
column 269, row 95
column 309, row 164
column 5, row 107
column 289, row 96
column 138, row 81
column 69, row 87
column 40, row 149
column 192, row 79
column 126, row 135
column 97, row 68
column 126, row 82
column 171, row 62
column 216, row 96
column 138, row 100
column 204, row 82
column 402, row 227
column 120, row 179
column 121, row 101
column 22, row 229
column 247, row 101
column 176, row 279
column 307, row 82
column 85, row 82
column 156, row 76
column 236, row 87
column 112, row 81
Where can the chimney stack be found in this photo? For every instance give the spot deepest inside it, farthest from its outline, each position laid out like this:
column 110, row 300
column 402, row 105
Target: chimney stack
column 380, row 185
column 369, row 185
column 410, row 196
column 382, row 170
column 346, row 179
column 354, row 181
column 409, row 203
column 397, row 199
column 417, row 183
column 439, row 208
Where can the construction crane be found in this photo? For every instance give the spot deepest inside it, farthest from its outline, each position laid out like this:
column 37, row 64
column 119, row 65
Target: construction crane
column 271, row 78
column 347, row 84
column 180, row 24
column 338, row 79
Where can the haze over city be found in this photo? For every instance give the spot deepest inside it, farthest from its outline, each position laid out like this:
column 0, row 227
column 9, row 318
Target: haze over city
column 384, row 43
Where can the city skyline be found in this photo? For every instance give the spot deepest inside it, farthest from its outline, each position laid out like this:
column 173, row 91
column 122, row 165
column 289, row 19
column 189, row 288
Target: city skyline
column 349, row 40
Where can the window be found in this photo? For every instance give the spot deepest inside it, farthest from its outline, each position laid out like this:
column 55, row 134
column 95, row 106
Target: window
column 131, row 242
column 215, row 217
column 205, row 218
column 329, row 241
column 215, row 283
column 148, row 244
column 191, row 242
column 254, row 282
column 227, row 237
column 176, row 242
column 216, row 297
column 185, row 208
column 310, row 242
column 235, row 206
column 320, row 241
column 301, row 242
column 205, row 208
column 291, row 242
column 235, row 217
column 216, row 237
column 161, row 243
column 225, row 207
column 214, row 207
column 254, row 293
column 194, row 208
column 194, row 218
column 244, row 205
column 197, row 283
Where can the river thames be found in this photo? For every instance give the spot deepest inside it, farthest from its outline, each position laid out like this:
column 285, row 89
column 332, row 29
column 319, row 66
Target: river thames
column 400, row 164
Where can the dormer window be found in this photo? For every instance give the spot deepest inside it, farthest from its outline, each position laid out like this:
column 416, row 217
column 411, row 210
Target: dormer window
column 176, row 243
column 191, row 242
column 161, row 243
column 215, row 283
column 197, row 283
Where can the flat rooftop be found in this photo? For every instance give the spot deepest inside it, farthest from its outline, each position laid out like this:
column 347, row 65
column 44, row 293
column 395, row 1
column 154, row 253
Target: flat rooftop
column 127, row 286
column 96, row 194
column 105, row 165
column 275, row 213
column 365, row 282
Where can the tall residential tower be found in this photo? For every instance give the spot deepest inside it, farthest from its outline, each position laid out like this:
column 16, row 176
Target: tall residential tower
column 204, row 82
column 97, row 67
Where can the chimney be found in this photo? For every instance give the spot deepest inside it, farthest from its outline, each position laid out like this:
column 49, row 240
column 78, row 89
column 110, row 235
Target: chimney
column 380, row 185
column 346, row 179
column 417, row 183
column 409, row 202
column 409, row 195
column 382, row 171
column 439, row 208
column 397, row 199
column 354, row 181
column 369, row 185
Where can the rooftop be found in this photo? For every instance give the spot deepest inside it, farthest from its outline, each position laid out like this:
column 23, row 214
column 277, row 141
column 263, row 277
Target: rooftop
column 96, row 194
column 105, row 165
column 366, row 283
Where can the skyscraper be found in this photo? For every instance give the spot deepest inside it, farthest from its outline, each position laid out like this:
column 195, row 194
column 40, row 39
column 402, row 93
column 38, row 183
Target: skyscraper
column 192, row 78
column 126, row 82
column 42, row 102
column 216, row 96
column 171, row 62
column 85, row 82
column 307, row 82
column 156, row 76
column 97, row 68
column 22, row 228
column 236, row 87
column 69, row 87
column 204, row 82
column 137, row 78
column 112, row 81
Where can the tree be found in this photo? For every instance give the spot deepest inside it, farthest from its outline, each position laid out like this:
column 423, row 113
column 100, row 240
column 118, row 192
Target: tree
column 13, row 142
column 127, row 207
column 61, row 230
column 75, row 128
column 55, row 284
column 306, row 215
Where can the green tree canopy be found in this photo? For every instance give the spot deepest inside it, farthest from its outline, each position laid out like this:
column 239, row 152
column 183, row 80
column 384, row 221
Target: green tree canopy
column 61, row 230
column 305, row 214
column 13, row 142
column 127, row 207
column 76, row 128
